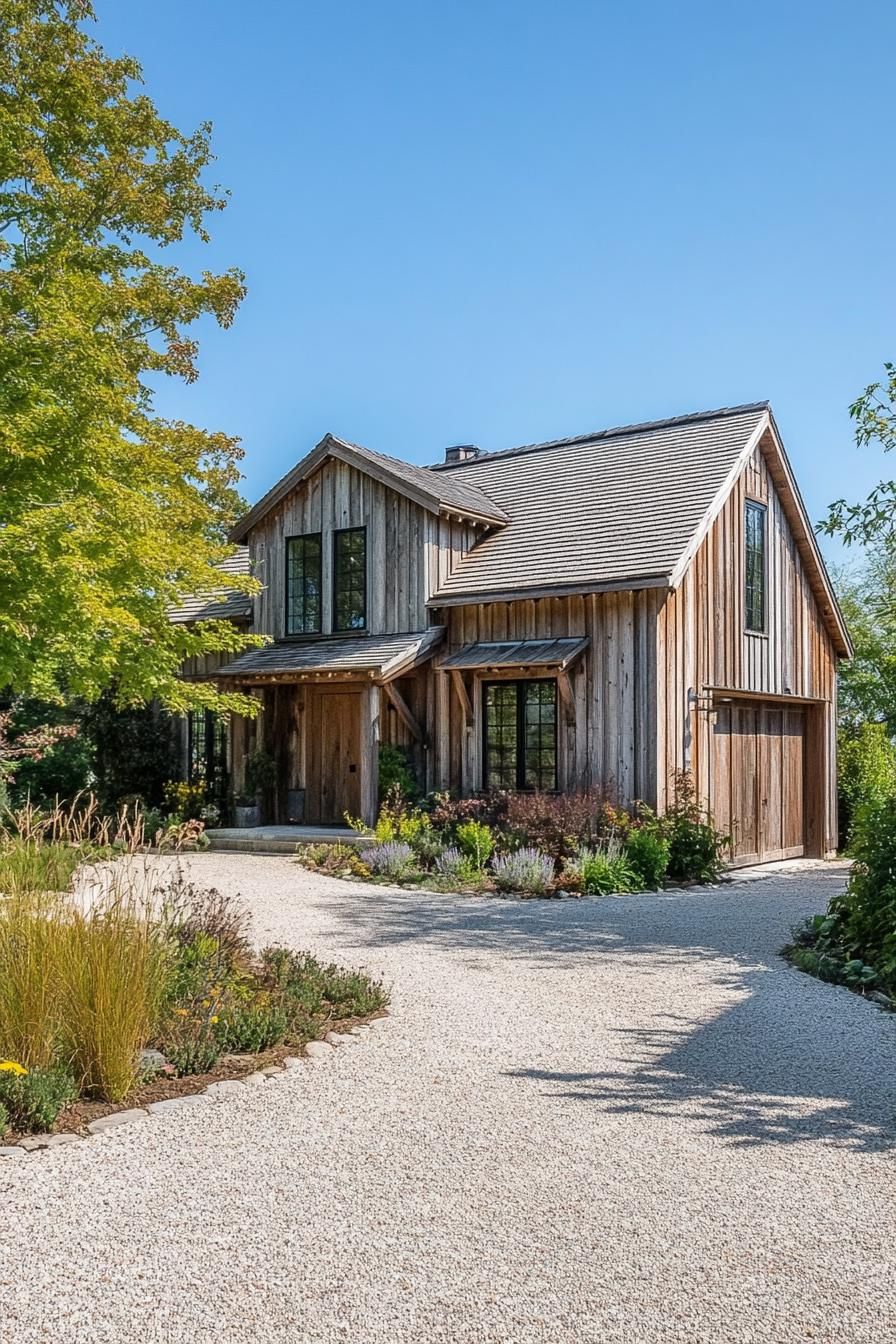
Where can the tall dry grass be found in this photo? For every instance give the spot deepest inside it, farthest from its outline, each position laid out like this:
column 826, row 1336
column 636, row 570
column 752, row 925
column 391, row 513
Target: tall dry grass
column 82, row 971
column 113, row 972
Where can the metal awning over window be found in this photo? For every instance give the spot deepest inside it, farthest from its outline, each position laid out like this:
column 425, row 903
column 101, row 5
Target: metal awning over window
column 543, row 654
column 380, row 658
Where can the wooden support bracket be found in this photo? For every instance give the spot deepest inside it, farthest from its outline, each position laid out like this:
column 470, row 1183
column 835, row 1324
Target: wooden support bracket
column 402, row 710
column 564, row 686
column 464, row 698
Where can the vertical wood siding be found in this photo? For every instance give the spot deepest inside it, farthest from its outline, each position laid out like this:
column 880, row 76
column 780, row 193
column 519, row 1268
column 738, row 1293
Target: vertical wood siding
column 702, row 642
column 409, row 550
column 610, row 742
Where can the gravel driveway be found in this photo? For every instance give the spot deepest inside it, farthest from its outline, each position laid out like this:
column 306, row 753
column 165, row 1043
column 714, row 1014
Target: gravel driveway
column 620, row 1120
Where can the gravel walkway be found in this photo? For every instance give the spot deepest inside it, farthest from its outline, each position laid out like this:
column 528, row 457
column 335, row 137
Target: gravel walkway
column 622, row 1120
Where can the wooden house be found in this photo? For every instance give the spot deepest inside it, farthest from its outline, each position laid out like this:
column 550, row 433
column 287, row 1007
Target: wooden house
column 602, row 610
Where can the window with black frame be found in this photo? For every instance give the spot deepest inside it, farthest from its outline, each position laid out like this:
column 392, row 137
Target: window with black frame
column 350, row 579
column 520, row 730
column 754, row 566
column 303, row 585
column 207, row 751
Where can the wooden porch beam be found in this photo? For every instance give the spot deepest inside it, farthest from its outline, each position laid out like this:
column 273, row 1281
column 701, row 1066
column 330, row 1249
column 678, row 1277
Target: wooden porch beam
column 566, row 696
column 460, row 687
column 403, row 711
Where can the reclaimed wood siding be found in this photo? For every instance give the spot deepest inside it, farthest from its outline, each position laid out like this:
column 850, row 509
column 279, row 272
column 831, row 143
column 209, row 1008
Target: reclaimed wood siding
column 610, row 740
column 409, row 549
column 702, row 645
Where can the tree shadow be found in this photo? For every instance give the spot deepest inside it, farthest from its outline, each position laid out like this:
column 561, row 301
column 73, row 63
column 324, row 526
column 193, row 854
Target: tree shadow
column 785, row 1060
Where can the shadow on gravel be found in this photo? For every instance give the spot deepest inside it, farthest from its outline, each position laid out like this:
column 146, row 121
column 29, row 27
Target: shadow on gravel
column 752, row 1076
column 791, row 1061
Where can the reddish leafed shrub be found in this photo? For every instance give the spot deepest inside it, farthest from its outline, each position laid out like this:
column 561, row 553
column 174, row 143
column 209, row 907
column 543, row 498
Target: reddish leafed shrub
column 560, row 824
column 449, row 813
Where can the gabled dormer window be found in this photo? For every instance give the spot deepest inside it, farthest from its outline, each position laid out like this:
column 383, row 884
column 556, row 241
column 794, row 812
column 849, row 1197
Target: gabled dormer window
column 754, row 567
column 303, row 585
column 350, row 579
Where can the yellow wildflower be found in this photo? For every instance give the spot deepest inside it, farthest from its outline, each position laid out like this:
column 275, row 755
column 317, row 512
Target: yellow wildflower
column 10, row 1066
column 181, row 1012
column 213, row 1019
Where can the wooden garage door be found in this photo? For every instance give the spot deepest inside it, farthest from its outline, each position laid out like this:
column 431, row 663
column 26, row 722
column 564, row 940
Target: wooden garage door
column 758, row 779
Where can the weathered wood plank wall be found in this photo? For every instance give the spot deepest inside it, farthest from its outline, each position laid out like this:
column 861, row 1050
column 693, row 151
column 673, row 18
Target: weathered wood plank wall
column 611, row 741
column 702, row 643
column 409, row 549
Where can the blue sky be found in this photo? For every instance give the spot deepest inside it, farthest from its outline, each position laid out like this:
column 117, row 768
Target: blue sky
column 501, row 221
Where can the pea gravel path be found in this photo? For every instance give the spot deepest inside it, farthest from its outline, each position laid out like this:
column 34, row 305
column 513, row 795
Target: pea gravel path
column 619, row 1121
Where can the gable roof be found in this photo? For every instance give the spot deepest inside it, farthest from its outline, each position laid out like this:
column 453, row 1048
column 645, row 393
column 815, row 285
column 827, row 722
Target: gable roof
column 224, row 604
column 622, row 508
column 436, row 493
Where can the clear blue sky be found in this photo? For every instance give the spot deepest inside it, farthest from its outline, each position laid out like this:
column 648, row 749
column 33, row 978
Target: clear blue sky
column 501, row 221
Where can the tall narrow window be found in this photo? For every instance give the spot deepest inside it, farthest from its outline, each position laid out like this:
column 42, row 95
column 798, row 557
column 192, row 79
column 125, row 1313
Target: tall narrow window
column 521, row 735
column 303, row 585
column 754, row 566
column 350, row 579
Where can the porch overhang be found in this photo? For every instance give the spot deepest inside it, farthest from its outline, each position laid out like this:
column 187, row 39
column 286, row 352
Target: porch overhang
column 516, row 655
column 359, row 658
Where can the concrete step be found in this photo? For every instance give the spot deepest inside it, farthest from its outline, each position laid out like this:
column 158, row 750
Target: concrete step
column 279, row 839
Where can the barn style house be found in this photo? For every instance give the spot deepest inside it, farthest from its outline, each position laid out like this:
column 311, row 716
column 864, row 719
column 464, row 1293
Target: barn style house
column 601, row 610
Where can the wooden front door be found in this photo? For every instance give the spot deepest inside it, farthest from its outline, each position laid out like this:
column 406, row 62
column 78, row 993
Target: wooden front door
column 758, row 785
column 334, row 756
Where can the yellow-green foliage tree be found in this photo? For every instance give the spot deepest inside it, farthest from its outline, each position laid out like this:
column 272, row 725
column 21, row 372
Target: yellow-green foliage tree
column 109, row 513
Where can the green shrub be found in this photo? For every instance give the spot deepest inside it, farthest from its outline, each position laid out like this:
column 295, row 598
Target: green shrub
column 602, row 872
column 192, row 1046
column 322, row 986
column 866, row 770
column 696, row 848
column 254, row 1025
column 647, row 853
column 33, row 1100
column 862, row 921
column 4, row 1120
column 333, row 858
column 397, row 774
column 476, row 840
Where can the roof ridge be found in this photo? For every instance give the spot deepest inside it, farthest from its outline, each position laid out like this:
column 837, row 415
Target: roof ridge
column 617, row 431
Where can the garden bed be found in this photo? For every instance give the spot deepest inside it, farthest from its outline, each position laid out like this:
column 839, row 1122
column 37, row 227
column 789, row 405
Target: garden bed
column 545, row 846
column 117, row 993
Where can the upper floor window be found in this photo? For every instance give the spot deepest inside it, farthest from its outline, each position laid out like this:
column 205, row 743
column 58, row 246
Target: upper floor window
column 754, row 566
column 350, row 579
column 303, row 585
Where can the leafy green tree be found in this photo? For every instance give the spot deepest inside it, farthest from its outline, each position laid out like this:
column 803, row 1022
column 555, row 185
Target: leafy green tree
column 867, row 692
column 109, row 513
column 872, row 520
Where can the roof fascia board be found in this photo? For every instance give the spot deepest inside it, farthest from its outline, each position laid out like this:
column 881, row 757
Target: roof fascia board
column 629, row 585
column 794, row 506
column 718, row 502
column 303, row 469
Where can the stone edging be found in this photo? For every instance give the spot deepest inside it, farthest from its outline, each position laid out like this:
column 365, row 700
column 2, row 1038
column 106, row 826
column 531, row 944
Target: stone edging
column 315, row 1053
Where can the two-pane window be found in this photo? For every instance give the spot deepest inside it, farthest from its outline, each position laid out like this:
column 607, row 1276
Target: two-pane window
column 304, row 582
column 520, row 735
column 754, row 566
column 303, row 585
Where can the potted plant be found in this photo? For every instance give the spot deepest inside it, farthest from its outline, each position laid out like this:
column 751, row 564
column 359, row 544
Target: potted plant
column 260, row 773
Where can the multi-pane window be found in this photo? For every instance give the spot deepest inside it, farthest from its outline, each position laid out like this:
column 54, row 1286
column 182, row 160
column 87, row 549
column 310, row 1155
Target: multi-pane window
column 207, row 751
column 303, row 585
column 754, row 566
column 350, row 579
column 520, row 735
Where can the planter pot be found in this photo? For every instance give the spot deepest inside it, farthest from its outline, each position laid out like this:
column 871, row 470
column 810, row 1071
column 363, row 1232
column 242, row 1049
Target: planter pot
column 247, row 816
